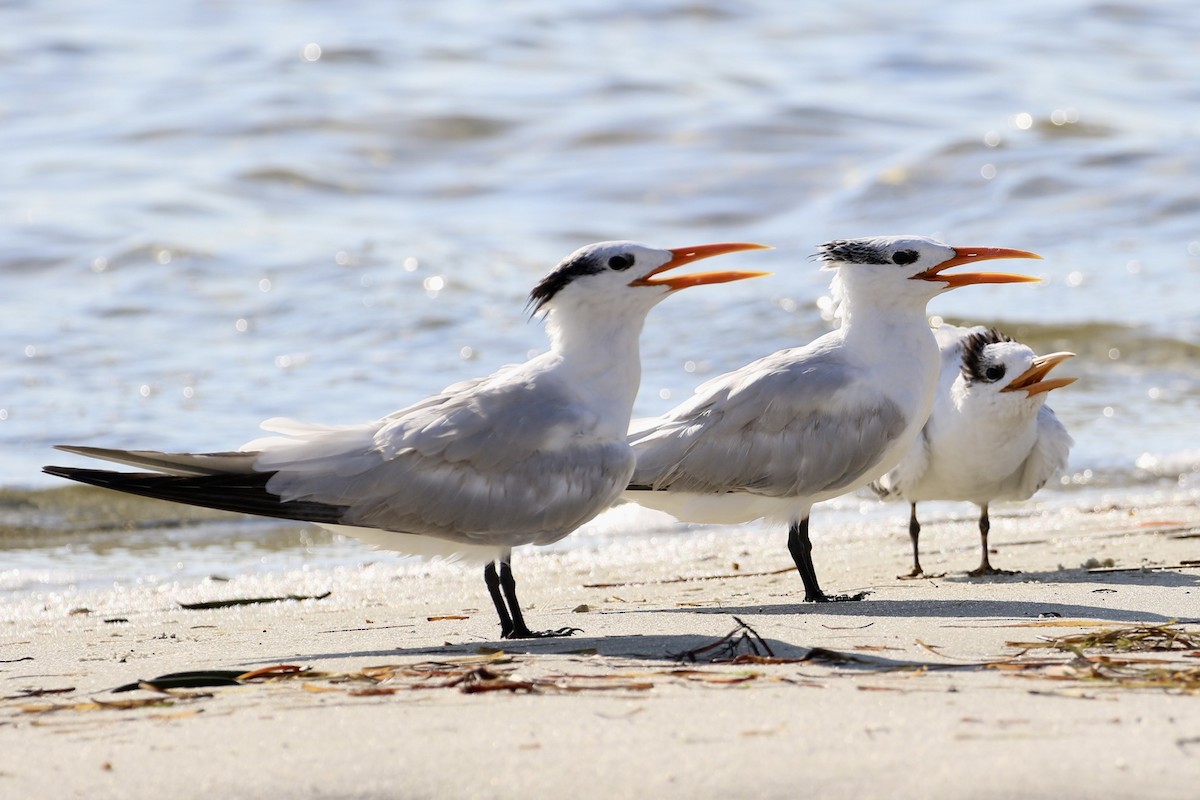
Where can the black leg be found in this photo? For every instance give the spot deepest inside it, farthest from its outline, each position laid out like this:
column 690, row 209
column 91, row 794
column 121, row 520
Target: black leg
column 493, row 584
column 800, row 546
column 985, row 565
column 914, row 533
column 503, row 590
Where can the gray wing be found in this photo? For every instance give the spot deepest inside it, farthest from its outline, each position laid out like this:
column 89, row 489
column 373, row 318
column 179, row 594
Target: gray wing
column 182, row 464
column 514, row 455
column 798, row 422
column 1049, row 455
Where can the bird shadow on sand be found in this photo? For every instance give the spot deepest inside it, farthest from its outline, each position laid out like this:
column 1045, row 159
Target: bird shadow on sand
column 676, row 647
column 647, row 647
column 947, row 609
column 1132, row 576
column 874, row 612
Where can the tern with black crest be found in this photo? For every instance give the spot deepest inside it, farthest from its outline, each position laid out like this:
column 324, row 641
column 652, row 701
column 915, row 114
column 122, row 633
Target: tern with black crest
column 522, row 456
column 810, row 423
column 991, row 436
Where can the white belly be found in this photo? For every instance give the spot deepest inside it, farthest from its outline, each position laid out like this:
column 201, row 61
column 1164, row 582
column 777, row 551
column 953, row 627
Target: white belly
column 428, row 546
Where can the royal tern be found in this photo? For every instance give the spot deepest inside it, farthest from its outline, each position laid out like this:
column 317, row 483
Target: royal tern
column 990, row 436
column 810, row 423
column 523, row 456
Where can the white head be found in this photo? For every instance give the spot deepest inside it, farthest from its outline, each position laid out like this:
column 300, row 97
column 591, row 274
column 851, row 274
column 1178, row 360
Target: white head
column 1005, row 377
column 617, row 278
column 907, row 270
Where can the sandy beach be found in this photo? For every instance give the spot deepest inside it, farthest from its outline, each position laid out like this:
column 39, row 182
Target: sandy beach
column 396, row 686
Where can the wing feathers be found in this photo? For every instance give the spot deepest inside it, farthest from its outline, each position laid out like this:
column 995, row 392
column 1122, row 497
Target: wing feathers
column 171, row 463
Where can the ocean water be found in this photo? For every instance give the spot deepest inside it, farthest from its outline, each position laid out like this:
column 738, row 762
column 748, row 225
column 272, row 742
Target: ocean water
column 222, row 212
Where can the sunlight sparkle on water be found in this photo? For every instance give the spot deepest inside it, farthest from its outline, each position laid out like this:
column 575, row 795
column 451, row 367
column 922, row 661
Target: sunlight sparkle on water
column 1064, row 116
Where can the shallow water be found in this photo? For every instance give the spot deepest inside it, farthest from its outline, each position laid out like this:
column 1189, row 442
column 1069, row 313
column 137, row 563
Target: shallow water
column 219, row 213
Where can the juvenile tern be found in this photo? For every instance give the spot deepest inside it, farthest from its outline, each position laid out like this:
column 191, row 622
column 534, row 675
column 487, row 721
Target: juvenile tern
column 523, row 456
column 991, row 435
column 810, row 423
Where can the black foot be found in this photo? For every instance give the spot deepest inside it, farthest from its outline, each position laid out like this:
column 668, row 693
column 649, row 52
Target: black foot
column 983, row 570
column 800, row 546
column 915, row 574
column 525, row 633
column 503, row 590
column 834, row 598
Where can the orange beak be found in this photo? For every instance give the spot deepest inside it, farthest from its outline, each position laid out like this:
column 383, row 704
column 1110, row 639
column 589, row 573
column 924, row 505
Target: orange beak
column 686, row 255
column 965, row 255
column 1031, row 379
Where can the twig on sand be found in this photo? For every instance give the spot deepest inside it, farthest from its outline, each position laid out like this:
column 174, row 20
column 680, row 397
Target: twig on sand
column 690, row 579
column 728, row 646
column 250, row 601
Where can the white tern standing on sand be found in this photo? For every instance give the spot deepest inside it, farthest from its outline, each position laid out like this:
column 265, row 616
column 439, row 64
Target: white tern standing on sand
column 810, row 423
column 991, row 435
column 523, row 456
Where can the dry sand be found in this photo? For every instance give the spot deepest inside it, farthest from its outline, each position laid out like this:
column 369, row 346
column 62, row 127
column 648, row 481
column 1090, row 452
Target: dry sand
column 917, row 691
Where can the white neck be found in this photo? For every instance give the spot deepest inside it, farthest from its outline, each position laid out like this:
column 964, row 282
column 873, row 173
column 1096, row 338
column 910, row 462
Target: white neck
column 597, row 350
column 886, row 323
column 890, row 334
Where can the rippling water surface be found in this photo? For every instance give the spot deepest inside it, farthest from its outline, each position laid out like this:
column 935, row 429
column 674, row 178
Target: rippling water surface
column 221, row 212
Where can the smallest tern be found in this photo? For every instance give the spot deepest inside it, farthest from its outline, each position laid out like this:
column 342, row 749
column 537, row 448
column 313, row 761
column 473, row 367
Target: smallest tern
column 523, row 456
column 991, row 436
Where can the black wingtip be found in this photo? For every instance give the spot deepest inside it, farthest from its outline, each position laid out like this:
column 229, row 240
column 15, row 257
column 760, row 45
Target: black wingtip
column 237, row 492
column 72, row 473
column 94, row 477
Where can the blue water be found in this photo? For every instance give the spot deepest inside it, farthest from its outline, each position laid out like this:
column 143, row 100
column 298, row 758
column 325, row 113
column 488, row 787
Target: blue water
column 222, row 212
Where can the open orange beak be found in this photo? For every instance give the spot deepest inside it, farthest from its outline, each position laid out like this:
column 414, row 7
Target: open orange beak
column 1031, row 379
column 686, row 255
column 966, row 255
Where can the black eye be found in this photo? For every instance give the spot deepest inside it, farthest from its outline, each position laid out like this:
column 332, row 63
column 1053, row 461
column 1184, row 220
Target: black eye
column 994, row 374
column 624, row 261
column 905, row 257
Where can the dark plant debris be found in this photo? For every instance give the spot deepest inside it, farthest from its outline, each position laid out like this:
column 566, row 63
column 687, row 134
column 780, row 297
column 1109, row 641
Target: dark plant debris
column 1157, row 657
column 251, row 601
column 730, row 646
